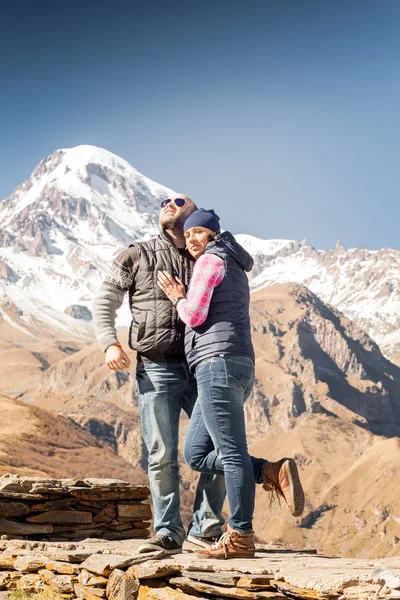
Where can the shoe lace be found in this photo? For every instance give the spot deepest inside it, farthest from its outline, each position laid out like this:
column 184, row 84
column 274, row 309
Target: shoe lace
column 273, row 489
column 223, row 542
column 161, row 538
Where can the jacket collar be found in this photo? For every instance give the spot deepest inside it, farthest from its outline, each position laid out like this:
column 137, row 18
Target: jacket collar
column 164, row 235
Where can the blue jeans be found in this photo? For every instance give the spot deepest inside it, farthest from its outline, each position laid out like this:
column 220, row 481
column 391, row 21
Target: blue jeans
column 163, row 390
column 216, row 439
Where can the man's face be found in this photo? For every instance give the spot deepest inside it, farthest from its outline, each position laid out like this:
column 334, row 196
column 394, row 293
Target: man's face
column 173, row 215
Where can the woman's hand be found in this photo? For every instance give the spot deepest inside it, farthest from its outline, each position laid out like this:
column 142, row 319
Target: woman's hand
column 173, row 288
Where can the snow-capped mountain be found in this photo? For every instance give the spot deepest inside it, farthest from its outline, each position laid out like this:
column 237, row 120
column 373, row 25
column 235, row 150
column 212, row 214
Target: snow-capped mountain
column 60, row 228
column 363, row 284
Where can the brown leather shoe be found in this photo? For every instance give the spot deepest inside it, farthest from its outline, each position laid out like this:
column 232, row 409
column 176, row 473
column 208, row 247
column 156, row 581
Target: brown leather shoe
column 232, row 544
column 283, row 477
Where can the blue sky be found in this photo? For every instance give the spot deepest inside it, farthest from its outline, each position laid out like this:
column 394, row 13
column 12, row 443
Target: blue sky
column 282, row 115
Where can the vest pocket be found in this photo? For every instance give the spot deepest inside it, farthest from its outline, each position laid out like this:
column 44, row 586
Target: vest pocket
column 141, row 329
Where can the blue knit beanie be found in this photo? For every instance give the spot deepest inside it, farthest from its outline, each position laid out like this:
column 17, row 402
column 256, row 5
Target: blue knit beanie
column 203, row 218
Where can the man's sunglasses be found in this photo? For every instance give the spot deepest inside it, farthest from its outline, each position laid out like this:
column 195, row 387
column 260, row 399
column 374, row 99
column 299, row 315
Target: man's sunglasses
column 178, row 201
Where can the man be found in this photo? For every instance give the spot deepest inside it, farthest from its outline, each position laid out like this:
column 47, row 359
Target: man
column 164, row 385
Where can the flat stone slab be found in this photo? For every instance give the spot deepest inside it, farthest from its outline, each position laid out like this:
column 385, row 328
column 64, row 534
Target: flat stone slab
column 25, row 496
column 87, row 578
column 239, row 580
column 154, row 569
column 12, row 509
column 62, row 516
column 14, row 483
column 8, row 579
column 37, row 486
column 96, row 482
column 227, row 580
column 7, row 561
column 276, row 548
column 120, row 586
column 29, row 563
column 65, row 556
column 165, row 593
column 323, row 576
column 294, row 574
column 63, row 568
column 30, row 583
column 131, row 512
column 63, row 584
column 189, row 585
column 89, row 593
column 107, row 494
column 14, row 528
column 101, row 564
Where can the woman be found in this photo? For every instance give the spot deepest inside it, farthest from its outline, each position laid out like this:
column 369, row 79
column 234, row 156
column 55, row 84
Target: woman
column 219, row 350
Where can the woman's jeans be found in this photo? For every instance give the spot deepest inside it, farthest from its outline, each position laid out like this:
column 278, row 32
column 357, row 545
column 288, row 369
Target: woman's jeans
column 216, row 438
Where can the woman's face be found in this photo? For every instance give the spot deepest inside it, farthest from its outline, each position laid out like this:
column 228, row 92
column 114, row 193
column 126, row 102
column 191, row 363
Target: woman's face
column 197, row 239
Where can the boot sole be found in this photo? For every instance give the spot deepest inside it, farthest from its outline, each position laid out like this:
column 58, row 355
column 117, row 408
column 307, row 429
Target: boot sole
column 201, row 542
column 296, row 490
column 150, row 548
column 224, row 557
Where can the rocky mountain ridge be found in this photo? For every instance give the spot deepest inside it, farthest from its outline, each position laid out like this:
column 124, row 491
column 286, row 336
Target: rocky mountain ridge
column 363, row 284
column 320, row 361
column 60, row 228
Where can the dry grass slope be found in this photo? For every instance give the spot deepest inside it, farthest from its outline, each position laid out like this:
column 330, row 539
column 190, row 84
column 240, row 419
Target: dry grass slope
column 35, row 441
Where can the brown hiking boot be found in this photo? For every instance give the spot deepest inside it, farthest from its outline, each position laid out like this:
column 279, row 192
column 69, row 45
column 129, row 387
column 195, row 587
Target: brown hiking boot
column 232, row 544
column 283, row 478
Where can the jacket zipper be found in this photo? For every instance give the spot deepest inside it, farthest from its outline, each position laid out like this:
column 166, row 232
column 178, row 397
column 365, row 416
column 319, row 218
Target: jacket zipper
column 181, row 267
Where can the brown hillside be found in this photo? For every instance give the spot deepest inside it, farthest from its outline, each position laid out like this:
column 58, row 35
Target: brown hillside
column 34, row 441
column 24, row 358
column 323, row 390
column 350, row 478
column 312, row 359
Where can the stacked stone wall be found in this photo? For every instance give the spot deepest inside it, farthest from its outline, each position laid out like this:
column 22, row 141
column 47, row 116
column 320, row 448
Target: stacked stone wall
column 72, row 509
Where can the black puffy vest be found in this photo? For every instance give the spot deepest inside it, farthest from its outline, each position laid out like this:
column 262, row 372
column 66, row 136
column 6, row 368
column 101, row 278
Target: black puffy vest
column 227, row 327
column 156, row 331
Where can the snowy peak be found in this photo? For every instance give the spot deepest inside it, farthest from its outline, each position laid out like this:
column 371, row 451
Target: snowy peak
column 255, row 245
column 363, row 284
column 83, row 193
column 60, row 229
column 264, row 251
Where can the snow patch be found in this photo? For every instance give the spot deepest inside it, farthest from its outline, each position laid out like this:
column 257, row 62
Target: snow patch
column 255, row 245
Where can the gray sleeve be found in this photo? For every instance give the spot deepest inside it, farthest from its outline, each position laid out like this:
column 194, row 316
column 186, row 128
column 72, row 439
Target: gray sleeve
column 111, row 294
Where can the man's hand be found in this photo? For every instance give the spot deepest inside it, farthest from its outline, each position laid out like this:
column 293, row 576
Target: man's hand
column 116, row 359
column 173, row 288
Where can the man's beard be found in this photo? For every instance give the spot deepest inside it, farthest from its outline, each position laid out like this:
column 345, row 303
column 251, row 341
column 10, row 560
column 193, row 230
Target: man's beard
column 170, row 222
